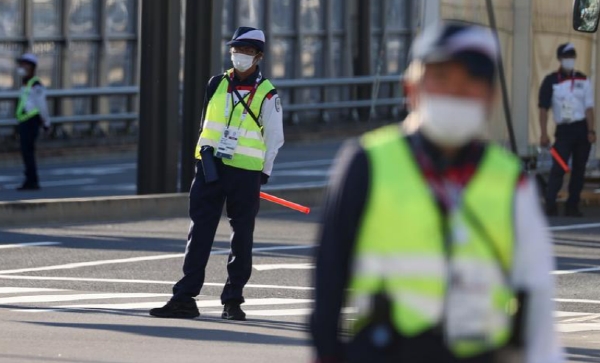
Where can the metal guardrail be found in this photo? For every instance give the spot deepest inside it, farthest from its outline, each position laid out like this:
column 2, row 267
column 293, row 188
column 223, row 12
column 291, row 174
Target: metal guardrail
column 282, row 84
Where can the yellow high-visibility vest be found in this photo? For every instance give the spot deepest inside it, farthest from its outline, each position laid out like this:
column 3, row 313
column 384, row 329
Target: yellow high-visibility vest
column 401, row 248
column 19, row 112
column 251, row 148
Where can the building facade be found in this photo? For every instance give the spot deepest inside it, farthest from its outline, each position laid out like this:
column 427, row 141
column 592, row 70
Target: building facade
column 95, row 43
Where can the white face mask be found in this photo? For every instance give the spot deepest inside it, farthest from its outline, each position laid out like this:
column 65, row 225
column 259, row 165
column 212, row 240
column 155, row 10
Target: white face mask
column 242, row 62
column 568, row 64
column 22, row 72
column 451, row 121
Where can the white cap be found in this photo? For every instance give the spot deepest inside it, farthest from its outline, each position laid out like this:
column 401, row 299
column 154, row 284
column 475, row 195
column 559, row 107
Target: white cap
column 28, row 57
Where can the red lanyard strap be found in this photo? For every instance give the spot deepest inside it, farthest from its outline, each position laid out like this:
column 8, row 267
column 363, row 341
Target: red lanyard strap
column 241, row 100
column 572, row 79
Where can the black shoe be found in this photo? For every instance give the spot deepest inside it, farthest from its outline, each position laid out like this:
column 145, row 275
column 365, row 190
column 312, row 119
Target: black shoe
column 25, row 187
column 551, row 210
column 177, row 310
column 573, row 212
column 233, row 311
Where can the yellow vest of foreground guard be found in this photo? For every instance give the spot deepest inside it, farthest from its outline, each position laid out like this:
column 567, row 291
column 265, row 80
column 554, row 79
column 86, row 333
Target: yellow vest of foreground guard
column 401, row 247
column 251, row 148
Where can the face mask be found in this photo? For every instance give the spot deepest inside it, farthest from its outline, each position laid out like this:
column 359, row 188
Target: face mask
column 568, row 64
column 451, row 121
column 242, row 62
column 22, row 72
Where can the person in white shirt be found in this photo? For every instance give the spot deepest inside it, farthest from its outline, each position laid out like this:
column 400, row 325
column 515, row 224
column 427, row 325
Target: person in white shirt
column 31, row 114
column 570, row 95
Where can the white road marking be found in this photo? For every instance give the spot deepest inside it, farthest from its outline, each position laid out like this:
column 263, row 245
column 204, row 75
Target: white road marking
column 318, row 184
column 578, row 301
column 284, row 266
column 273, row 312
column 152, row 304
column 578, row 270
column 302, row 172
column 21, row 290
column 139, row 259
column 567, row 314
column 575, row 226
column 155, row 282
column 74, row 297
column 300, row 164
column 266, row 249
column 28, row 244
column 577, row 327
column 92, row 170
column 91, row 263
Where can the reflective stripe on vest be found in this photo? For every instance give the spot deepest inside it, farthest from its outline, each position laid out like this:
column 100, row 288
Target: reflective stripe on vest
column 400, row 245
column 251, row 148
column 22, row 117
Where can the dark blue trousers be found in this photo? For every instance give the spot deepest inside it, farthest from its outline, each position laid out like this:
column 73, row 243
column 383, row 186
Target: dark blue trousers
column 28, row 134
column 571, row 142
column 238, row 190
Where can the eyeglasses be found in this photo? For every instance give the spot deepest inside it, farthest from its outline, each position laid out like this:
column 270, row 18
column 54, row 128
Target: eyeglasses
column 244, row 50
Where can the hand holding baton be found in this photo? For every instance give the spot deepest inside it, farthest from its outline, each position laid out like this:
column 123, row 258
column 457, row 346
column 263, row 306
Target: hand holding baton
column 285, row 203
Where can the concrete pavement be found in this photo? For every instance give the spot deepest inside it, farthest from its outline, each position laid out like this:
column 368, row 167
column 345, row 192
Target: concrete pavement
column 80, row 292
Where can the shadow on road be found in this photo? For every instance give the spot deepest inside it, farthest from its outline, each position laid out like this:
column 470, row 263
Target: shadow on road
column 186, row 333
column 143, row 244
column 583, row 355
column 571, row 263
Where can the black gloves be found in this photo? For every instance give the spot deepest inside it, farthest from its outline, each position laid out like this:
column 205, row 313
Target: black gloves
column 264, row 178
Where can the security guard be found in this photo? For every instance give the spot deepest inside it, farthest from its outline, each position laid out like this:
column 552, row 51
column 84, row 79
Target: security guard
column 31, row 114
column 570, row 95
column 241, row 134
column 434, row 232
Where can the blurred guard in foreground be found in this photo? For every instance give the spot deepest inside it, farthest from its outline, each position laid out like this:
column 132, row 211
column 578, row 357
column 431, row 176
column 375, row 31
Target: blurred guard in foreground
column 241, row 134
column 31, row 114
column 437, row 235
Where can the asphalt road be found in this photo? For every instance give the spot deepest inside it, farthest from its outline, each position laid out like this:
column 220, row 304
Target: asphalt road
column 80, row 293
column 297, row 165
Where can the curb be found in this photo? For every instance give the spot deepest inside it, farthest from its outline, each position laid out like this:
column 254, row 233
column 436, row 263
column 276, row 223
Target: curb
column 125, row 208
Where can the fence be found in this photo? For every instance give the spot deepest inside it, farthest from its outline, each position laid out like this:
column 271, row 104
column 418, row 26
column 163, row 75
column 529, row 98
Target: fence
column 344, row 89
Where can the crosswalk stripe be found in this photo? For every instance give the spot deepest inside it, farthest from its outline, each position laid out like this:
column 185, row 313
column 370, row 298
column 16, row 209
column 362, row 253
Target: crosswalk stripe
column 284, row 266
column 148, row 305
column 28, row 244
column 200, row 303
column 270, row 312
column 567, row 314
column 21, row 290
column 73, row 297
column 155, row 282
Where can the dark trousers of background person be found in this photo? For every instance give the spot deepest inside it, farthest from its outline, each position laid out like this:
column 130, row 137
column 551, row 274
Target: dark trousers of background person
column 571, row 142
column 28, row 134
column 239, row 190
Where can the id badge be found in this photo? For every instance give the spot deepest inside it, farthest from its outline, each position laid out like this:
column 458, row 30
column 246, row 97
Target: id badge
column 227, row 144
column 567, row 111
column 469, row 306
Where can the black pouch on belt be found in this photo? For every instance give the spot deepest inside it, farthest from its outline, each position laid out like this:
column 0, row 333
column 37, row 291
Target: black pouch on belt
column 208, row 164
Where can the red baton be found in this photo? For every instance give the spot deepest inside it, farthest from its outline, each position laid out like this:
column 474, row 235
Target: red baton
column 285, row 203
column 559, row 160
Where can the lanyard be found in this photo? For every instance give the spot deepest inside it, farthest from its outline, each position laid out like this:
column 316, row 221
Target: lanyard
column 572, row 79
column 448, row 193
column 228, row 113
